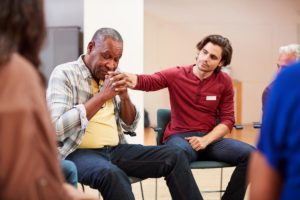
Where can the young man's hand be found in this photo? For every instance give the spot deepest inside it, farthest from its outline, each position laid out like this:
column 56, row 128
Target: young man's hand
column 197, row 143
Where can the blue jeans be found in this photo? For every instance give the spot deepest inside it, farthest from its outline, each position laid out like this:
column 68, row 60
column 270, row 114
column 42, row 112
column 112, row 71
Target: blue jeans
column 70, row 172
column 107, row 169
column 226, row 150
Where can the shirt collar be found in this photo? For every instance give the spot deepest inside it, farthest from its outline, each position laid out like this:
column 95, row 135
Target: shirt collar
column 83, row 68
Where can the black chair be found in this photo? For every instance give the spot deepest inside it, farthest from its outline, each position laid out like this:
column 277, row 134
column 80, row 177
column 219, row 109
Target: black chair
column 163, row 118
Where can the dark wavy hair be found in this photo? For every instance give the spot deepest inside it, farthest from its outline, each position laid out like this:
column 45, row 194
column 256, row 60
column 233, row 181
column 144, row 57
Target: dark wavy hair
column 221, row 41
column 22, row 29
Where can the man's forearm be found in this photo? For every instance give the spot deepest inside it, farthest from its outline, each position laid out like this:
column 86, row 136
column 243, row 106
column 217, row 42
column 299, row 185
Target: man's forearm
column 218, row 132
column 128, row 111
column 93, row 105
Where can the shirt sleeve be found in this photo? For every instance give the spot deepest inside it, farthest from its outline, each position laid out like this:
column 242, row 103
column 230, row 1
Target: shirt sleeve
column 156, row 81
column 67, row 118
column 226, row 107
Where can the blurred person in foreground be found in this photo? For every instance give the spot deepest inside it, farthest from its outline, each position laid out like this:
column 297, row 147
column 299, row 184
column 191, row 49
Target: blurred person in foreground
column 29, row 165
column 287, row 55
column 274, row 169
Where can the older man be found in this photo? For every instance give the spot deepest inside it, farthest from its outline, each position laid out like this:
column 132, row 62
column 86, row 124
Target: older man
column 287, row 55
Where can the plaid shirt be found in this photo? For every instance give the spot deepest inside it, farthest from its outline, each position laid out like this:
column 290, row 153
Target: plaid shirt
column 68, row 89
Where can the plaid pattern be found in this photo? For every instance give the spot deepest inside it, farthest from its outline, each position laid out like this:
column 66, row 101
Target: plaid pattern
column 68, row 89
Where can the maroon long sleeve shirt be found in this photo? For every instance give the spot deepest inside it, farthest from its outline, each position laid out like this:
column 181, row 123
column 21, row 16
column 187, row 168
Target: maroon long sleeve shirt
column 195, row 104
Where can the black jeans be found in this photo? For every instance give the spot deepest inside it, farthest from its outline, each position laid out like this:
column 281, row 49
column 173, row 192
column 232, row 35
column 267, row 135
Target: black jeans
column 107, row 169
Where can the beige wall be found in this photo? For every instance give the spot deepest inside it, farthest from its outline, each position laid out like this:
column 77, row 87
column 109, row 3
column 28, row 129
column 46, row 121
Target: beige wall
column 256, row 29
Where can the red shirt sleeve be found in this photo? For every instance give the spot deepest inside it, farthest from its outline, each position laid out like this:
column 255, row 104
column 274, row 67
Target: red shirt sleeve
column 226, row 107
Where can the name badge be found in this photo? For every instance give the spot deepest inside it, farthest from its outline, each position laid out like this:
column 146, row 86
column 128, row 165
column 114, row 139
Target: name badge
column 211, row 98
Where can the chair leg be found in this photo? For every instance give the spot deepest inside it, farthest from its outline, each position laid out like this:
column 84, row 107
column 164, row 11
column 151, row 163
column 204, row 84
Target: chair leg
column 221, row 182
column 142, row 191
column 82, row 186
column 156, row 189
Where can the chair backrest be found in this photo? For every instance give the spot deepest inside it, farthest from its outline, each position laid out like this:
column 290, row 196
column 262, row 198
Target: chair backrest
column 163, row 118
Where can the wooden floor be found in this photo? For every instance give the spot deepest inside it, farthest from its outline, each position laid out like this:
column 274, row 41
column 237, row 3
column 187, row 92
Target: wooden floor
column 208, row 179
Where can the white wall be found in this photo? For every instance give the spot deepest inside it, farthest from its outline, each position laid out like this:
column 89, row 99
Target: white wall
column 256, row 29
column 127, row 18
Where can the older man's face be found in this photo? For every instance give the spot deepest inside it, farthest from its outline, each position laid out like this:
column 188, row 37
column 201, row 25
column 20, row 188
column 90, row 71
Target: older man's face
column 104, row 57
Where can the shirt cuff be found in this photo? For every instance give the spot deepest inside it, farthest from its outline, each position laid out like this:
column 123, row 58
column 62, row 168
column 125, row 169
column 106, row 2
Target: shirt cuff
column 82, row 115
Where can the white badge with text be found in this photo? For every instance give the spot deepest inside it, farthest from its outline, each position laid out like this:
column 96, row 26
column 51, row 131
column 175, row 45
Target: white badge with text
column 211, row 98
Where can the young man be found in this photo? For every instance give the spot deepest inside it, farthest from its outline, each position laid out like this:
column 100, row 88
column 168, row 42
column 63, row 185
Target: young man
column 200, row 96
column 274, row 168
column 90, row 110
column 287, row 55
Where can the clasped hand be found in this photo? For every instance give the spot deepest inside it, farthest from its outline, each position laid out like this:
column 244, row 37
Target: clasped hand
column 117, row 82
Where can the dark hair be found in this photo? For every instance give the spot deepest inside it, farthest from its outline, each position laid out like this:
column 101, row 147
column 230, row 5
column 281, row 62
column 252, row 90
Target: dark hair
column 22, row 29
column 221, row 41
column 103, row 33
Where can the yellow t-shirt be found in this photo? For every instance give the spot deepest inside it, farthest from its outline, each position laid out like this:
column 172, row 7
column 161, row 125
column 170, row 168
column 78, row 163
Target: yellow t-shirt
column 102, row 127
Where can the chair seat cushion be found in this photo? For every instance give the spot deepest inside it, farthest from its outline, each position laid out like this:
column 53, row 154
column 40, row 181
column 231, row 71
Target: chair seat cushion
column 208, row 164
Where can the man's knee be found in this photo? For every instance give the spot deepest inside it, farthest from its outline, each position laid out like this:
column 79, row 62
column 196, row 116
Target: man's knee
column 245, row 152
column 105, row 176
column 175, row 155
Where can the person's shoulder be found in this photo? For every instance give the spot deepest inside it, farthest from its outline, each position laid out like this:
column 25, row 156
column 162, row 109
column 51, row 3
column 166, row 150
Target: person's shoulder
column 18, row 68
column 291, row 71
column 19, row 79
column 18, row 60
column 64, row 70
column 67, row 66
column 181, row 69
column 224, row 77
column 289, row 75
column 184, row 67
column 176, row 71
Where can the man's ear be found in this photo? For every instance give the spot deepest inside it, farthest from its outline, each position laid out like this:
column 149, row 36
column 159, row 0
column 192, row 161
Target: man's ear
column 90, row 47
column 221, row 63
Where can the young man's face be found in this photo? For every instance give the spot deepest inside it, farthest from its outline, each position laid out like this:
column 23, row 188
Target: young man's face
column 209, row 57
column 104, row 56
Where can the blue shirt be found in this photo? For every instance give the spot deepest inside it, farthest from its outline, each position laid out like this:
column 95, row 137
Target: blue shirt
column 279, row 141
